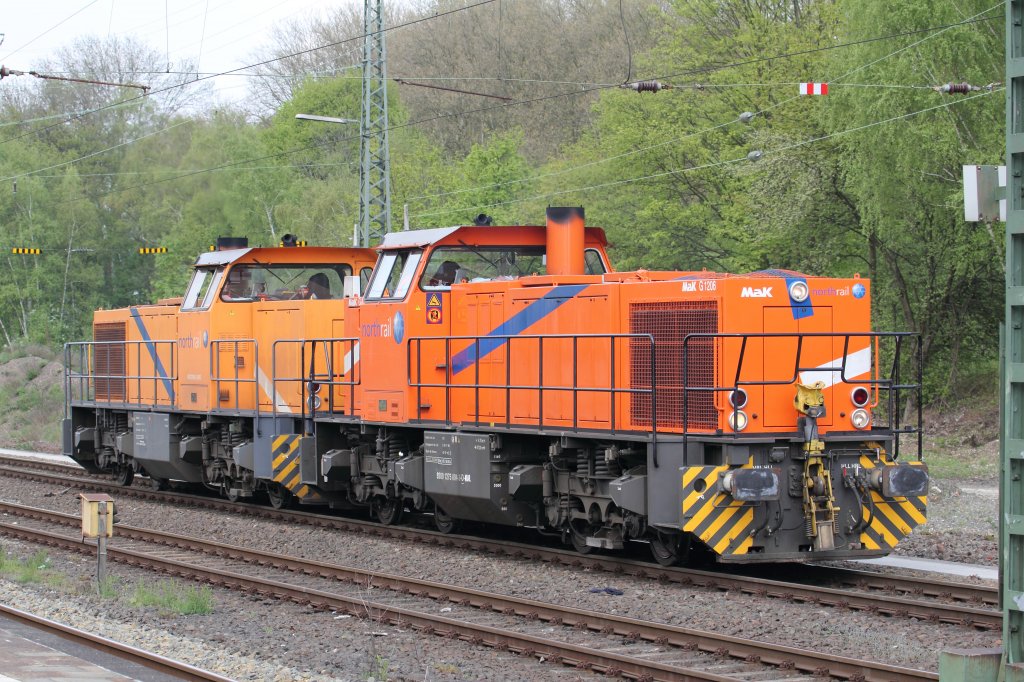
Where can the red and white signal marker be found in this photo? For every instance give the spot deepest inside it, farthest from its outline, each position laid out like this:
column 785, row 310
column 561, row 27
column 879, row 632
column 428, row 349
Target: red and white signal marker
column 814, row 88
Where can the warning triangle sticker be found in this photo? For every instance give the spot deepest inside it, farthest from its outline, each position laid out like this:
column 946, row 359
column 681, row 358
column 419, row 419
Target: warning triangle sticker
column 434, row 300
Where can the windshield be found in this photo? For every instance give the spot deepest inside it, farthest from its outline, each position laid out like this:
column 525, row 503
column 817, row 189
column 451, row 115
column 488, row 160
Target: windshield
column 284, row 282
column 394, row 274
column 200, row 291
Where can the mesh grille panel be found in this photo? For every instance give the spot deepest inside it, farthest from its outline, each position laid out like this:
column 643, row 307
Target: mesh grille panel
column 669, row 322
column 108, row 361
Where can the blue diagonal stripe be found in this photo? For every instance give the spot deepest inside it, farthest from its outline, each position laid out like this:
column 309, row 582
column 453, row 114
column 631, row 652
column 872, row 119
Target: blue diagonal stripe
column 151, row 347
column 516, row 324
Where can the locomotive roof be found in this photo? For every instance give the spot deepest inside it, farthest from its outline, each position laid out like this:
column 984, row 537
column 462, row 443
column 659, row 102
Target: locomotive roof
column 221, row 257
column 419, row 238
column 273, row 254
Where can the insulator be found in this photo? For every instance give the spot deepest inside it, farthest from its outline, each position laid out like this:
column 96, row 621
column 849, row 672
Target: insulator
column 754, row 155
column 956, row 88
column 747, row 117
column 646, row 86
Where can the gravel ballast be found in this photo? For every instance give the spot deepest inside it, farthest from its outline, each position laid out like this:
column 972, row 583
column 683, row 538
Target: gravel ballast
column 261, row 639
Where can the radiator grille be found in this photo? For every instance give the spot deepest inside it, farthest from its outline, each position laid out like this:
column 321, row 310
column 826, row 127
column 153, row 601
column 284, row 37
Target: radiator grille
column 669, row 322
column 108, row 362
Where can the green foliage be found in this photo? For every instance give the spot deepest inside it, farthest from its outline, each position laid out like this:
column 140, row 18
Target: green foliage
column 34, row 569
column 169, row 596
column 848, row 183
column 109, row 587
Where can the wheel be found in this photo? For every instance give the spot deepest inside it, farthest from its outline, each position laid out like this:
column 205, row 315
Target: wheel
column 230, row 491
column 666, row 549
column 158, row 483
column 278, row 495
column 388, row 511
column 445, row 523
column 579, row 541
column 124, row 475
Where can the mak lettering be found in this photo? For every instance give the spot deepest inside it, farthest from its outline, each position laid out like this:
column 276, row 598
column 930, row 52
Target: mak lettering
column 756, row 292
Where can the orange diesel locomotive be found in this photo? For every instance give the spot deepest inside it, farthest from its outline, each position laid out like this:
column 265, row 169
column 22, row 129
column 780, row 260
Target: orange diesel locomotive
column 508, row 375
column 190, row 389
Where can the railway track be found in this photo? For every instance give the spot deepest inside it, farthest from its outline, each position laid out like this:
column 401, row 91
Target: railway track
column 603, row 643
column 939, row 601
column 161, row 664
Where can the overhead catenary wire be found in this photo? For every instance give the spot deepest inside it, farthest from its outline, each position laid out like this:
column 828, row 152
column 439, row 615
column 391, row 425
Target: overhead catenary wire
column 776, row 105
column 406, row 24
column 96, row 153
column 705, row 69
column 715, row 164
column 57, row 25
column 940, row 29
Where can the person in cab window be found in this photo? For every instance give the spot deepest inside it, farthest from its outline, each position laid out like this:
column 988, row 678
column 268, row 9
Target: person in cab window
column 238, row 287
column 445, row 275
column 319, row 286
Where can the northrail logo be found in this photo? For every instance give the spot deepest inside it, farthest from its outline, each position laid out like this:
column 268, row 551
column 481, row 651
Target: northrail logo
column 756, row 292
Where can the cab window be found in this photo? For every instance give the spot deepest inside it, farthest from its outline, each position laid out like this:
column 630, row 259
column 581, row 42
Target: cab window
column 393, row 275
column 594, row 264
column 201, row 289
column 284, row 282
column 452, row 264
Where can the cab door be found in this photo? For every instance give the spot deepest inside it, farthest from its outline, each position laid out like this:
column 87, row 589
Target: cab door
column 383, row 337
column 193, row 365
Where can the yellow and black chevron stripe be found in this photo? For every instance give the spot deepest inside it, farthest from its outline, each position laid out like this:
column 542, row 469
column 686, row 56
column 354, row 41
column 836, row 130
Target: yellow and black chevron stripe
column 21, row 251
column 723, row 523
column 890, row 520
column 284, row 456
column 146, row 250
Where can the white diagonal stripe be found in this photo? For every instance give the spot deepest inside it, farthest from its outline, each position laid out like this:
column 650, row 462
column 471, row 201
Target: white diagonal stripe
column 351, row 358
column 830, row 374
column 268, row 387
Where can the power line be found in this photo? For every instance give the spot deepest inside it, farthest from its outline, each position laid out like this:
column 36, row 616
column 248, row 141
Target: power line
column 412, row 22
column 59, row 23
column 96, row 153
column 970, row 19
column 715, row 164
column 940, row 28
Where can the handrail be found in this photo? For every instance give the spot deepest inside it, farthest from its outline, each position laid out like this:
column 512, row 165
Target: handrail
column 891, row 385
column 540, row 387
column 83, row 382
column 312, row 381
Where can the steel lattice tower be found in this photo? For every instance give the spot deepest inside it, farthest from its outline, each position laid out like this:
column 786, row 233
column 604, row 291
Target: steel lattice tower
column 374, row 164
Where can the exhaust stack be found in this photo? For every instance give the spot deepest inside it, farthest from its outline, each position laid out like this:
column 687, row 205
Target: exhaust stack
column 565, row 229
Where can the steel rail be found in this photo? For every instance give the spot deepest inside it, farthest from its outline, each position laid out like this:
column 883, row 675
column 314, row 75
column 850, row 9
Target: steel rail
column 963, row 611
column 723, row 646
column 153, row 661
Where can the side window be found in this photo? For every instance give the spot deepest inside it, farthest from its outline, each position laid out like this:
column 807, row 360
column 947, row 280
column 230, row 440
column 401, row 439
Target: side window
column 201, row 289
column 394, row 275
column 364, row 278
column 594, row 264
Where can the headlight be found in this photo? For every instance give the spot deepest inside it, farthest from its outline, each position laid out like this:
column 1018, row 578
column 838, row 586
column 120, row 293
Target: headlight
column 860, row 396
column 798, row 291
column 860, row 419
column 738, row 420
column 738, row 398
